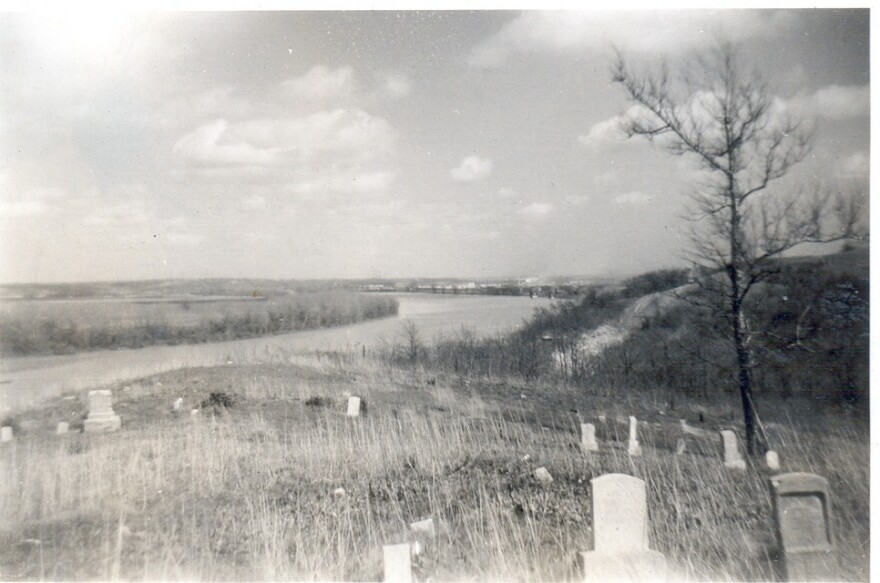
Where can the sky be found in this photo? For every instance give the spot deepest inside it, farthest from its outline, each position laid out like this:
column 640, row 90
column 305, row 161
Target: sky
column 344, row 144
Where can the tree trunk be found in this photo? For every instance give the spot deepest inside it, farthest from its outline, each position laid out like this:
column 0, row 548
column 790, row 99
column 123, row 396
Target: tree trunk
column 744, row 364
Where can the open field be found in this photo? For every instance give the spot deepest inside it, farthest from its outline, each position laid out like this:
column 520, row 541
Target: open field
column 247, row 493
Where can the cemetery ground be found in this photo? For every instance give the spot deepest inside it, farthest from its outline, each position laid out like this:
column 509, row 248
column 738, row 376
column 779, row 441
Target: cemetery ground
column 269, row 479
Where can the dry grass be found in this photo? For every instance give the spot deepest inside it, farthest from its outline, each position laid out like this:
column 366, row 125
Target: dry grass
column 248, row 493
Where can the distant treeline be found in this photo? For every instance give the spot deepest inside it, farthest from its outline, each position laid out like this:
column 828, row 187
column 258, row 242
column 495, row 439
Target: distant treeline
column 35, row 327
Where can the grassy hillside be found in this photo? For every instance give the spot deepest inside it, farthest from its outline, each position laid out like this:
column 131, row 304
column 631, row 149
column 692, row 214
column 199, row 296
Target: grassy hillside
column 249, row 492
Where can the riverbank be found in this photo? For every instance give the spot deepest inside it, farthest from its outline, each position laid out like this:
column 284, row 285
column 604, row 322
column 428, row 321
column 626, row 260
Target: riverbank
column 26, row 379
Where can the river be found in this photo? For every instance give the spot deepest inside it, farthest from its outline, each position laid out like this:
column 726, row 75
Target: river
column 26, row 379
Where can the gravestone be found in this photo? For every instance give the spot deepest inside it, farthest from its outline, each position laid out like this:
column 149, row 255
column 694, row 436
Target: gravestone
column 5, row 433
column 354, row 406
column 398, row 563
column 178, row 403
column 423, row 527
column 732, row 457
column 633, row 447
column 802, row 512
column 772, row 459
column 101, row 416
column 588, row 437
column 680, row 446
column 620, row 533
column 63, row 427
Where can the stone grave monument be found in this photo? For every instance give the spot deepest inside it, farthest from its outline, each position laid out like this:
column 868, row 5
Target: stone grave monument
column 620, row 533
column 63, row 427
column 101, row 416
column 802, row 514
column 398, row 563
column 5, row 433
column 732, row 458
column 633, row 447
column 772, row 459
column 354, row 406
column 588, row 437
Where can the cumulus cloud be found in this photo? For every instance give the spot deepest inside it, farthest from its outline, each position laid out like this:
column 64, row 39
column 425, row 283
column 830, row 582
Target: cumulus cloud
column 472, row 168
column 202, row 146
column 642, row 31
column 836, row 102
column 321, row 83
column 339, row 131
column 634, row 198
column 603, row 132
column 349, row 133
column 537, row 211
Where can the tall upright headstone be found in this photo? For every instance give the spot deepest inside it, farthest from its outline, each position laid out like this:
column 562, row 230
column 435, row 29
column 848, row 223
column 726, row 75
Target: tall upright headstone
column 5, row 433
column 732, row 458
column 101, row 416
column 620, row 533
column 802, row 513
column 398, row 563
column 588, row 437
column 354, row 406
column 633, row 447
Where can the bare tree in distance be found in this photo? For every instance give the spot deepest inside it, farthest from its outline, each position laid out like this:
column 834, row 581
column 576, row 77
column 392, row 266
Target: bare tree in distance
column 720, row 114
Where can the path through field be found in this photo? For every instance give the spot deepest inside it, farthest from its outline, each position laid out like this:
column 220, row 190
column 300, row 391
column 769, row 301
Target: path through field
column 25, row 379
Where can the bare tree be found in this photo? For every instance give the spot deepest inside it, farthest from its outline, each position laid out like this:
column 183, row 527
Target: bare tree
column 720, row 114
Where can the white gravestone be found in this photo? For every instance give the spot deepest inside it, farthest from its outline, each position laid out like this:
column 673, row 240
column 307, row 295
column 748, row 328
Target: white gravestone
column 423, row 527
column 620, row 533
column 802, row 513
column 5, row 433
column 633, row 447
column 101, row 416
column 772, row 459
column 732, row 457
column 398, row 563
column 588, row 437
column 63, row 428
column 354, row 406
column 178, row 403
